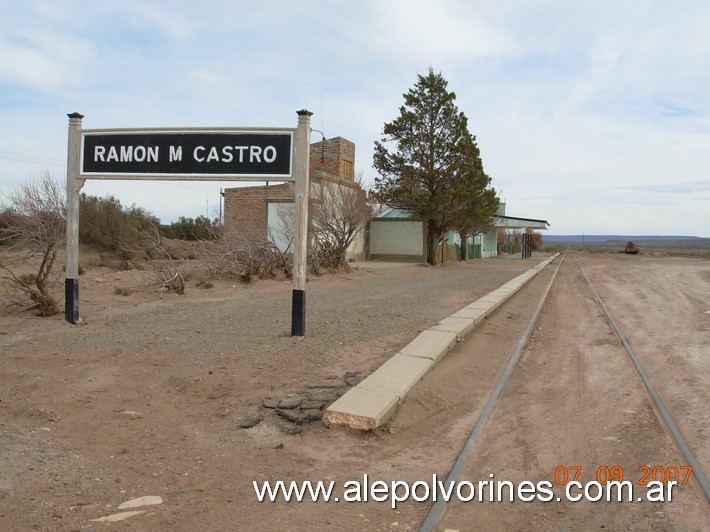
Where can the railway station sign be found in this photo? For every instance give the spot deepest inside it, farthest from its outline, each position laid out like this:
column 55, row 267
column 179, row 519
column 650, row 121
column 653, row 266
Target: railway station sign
column 186, row 154
column 194, row 154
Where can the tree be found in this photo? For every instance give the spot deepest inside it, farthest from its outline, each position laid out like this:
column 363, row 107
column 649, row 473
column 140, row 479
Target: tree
column 433, row 155
column 536, row 239
column 34, row 225
column 338, row 214
column 476, row 200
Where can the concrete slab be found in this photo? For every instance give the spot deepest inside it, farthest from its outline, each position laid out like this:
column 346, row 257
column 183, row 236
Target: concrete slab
column 397, row 375
column 375, row 399
column 522, row 281
column 459, row 325
column 478, row 305
column 476, row 314
column 488, row 300
column 502, row 294
column 508, row 291
column 361, row 409
column 430, row 344
column 493, row 302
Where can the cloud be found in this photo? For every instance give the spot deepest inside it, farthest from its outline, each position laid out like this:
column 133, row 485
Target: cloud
column 45, row 62
column 433, row 32
column 586, row 112
column 686, row 187
column 170, row 21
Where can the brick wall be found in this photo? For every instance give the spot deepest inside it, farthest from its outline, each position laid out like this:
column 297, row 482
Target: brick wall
column 246, row 208
column 337, row 158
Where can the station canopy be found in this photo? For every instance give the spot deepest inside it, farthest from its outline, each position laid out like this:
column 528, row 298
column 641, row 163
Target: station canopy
column 512, row 222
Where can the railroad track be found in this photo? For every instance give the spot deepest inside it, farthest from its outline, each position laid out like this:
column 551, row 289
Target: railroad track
column 450, row 514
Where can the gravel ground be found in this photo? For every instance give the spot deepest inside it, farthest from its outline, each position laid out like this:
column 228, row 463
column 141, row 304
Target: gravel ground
column 246, row 323
column 194, row 368
column 168, row 397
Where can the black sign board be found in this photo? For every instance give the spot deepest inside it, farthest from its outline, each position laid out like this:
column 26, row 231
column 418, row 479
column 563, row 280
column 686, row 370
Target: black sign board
column 187, row 153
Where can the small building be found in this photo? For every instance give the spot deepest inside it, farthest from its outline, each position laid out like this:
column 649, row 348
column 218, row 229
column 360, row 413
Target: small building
column 262, row 213
column 397, row 236
column 504, row 229
column 259, row 212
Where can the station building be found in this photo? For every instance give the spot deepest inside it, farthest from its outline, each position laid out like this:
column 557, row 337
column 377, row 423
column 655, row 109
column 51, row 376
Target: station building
column 259, row 212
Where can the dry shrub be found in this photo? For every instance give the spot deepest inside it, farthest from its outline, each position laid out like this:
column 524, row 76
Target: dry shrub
column 148, row 244
column 33, row 226
column 231, row 255
column 337, row 213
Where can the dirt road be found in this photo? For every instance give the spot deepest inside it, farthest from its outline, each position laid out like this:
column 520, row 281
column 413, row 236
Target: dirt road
column 195, row 368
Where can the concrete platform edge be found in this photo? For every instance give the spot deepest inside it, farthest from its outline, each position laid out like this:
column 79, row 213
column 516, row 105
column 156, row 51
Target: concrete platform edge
column 372, row 402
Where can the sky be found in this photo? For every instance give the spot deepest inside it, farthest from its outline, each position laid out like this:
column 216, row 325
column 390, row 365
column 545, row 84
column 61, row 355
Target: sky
column 592, row 115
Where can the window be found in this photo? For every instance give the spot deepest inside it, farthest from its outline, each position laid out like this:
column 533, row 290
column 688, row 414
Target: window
column 349, row 170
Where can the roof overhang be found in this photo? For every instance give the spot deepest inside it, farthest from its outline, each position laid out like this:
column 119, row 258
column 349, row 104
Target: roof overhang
column 512, row 222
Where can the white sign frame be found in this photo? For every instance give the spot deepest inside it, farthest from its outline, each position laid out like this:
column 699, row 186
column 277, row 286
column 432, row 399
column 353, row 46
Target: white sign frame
column 298, row 170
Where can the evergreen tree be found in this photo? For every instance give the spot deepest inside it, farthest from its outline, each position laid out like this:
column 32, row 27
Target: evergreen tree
column 476, row 201
column 429, row 171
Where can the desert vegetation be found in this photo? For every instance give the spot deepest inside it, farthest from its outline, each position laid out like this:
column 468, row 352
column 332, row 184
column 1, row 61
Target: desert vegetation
column 32, row 237
column 337, row 214
column 107, row 224
column 32, row 224
column 229, row 254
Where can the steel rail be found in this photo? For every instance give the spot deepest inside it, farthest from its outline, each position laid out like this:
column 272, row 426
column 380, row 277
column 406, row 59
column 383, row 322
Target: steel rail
column 687, row 454
column 436, row 509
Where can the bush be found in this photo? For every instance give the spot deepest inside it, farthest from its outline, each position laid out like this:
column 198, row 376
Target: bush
column 199, row 228
column 148, row 243
column 232, row 255
column 7, row 219
column 33, row 224
column 105, row 223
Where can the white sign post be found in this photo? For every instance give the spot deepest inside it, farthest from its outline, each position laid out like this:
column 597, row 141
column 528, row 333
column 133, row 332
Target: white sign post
column 302, row 160
column 74, row 184
column 196, row 154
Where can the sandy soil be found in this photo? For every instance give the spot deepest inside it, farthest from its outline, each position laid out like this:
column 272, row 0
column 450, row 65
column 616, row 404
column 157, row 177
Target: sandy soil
column 575, row 399
column 196, row 367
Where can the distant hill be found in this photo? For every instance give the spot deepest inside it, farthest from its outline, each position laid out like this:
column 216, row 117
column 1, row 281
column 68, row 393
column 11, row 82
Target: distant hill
column 617, row 238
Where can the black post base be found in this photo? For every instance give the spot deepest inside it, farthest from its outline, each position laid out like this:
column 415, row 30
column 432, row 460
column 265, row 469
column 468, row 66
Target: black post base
column 71, row 300
column 298, row 313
